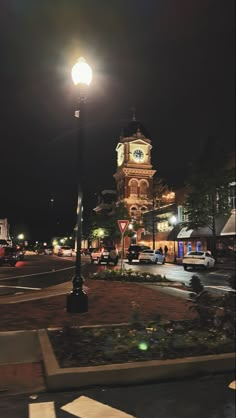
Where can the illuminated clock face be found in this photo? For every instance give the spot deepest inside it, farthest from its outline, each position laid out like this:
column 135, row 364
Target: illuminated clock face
column 138, row 155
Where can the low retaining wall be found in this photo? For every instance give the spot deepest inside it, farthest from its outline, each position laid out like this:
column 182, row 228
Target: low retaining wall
column 128, row 373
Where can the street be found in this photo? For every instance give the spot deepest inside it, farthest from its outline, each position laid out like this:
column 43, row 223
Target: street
column 205, row 397
column 39, row 271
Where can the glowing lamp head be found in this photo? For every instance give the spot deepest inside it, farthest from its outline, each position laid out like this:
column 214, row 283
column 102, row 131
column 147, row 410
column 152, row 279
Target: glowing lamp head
column 173, row 220
column 81, row 72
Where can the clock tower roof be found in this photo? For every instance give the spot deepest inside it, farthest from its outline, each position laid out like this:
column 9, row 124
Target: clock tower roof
column 136, row 129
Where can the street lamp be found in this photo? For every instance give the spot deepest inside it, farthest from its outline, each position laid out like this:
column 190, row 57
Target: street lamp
column 173, row 221
column 77, row 300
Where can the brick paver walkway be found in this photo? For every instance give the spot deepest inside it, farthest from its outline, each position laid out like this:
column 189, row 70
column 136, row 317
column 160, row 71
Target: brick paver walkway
column 21, row 378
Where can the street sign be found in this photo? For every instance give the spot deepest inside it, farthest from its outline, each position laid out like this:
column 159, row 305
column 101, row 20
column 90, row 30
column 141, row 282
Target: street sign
column 123, row 225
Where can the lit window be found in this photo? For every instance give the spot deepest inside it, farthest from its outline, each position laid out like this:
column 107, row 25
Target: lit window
column 133, row 211
column 143, row 188
column 133, row 187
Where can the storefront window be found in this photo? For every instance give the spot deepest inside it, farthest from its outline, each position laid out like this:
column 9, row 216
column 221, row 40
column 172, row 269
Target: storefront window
column 199, row 246
column 181, row 249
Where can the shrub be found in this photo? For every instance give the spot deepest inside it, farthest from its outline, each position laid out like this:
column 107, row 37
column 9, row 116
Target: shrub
column 195, row 285
column 201, row 301
column 128, row 276
column 232, row 281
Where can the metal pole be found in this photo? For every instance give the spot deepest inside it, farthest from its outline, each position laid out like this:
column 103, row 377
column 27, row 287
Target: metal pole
column 77, row 300
column 174, row 253
column 122, row 253
column 153, row 225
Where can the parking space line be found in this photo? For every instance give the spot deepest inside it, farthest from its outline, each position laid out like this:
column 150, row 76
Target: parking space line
column 20, row 287
column 37, row 274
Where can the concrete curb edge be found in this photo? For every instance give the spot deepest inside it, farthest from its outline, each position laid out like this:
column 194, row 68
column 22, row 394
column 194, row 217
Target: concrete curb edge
column 127, row 373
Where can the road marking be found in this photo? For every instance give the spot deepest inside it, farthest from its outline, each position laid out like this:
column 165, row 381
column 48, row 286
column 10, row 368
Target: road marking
column 84, row 407
column 20, row 287
column 42, row 410
column 216, row 273
column 232, row 385
column 226, row 288
column 37, row 274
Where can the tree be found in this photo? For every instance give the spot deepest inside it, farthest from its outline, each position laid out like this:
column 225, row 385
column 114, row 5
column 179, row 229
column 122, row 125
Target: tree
column 150, row 219
column 106, row 226
column 208, row 196
column 159, row 188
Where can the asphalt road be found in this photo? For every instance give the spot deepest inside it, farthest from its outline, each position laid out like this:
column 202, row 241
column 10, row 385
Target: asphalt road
column 38, row 271
column 206, row 397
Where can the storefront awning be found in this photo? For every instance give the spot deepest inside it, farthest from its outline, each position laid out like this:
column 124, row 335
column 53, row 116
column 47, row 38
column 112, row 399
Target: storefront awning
column 185, row 233
column 229, row 228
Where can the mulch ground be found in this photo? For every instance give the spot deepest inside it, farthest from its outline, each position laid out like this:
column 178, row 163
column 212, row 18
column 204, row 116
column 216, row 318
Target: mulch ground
column 109, row 302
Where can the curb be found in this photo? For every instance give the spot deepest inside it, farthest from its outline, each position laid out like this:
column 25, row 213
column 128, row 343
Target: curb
column 58, row 378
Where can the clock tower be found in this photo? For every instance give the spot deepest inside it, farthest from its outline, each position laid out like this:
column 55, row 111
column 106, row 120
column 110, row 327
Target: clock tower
column 134, row 174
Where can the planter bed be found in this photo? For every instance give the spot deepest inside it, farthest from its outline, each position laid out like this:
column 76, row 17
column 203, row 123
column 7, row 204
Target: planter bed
column 97, row 370
column 90, row 346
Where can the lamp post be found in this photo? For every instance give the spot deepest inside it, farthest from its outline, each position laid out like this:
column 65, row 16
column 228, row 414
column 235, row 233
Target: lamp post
column 173, row 221
column 77, row 300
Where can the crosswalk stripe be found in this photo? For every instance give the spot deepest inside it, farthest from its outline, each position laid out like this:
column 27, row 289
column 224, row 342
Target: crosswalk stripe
column 84, row 407
column 42, row 410
column 232, row 385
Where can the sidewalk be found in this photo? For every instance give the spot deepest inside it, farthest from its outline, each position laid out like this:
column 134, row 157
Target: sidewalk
column 57, row 290
column 21, row 369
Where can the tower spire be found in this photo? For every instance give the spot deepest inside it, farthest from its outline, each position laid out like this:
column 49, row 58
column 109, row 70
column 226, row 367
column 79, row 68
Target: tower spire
column 133, row 110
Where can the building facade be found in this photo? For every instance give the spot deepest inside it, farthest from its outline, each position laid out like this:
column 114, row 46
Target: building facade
column 158, row 223
column 4, row 232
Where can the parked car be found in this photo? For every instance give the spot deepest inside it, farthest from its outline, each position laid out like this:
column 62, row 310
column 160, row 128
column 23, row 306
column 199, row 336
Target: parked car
column 3, row 243
column 134, row 251
column 65, row 251
column 105, row 255
column 8, row 255
column 40, row 250
column 151, row 256
column 48, row 250
column 20, row 252
column 201, row 259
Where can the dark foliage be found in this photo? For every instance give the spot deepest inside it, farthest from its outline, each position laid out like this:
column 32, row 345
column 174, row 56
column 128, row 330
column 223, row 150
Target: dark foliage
column 125, row 343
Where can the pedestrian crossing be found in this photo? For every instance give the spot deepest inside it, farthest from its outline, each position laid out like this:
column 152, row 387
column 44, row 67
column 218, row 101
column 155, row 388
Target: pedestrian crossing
column 82, row 407
column 42, row 410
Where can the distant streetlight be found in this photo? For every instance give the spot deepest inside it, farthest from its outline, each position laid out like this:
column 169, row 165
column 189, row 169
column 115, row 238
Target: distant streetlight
column 134, row 235
column 21, row 236
column 173, row 221
column 77, row 300
column 100, row 235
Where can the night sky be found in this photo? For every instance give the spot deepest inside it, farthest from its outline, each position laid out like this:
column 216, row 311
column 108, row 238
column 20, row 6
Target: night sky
column 172, row 60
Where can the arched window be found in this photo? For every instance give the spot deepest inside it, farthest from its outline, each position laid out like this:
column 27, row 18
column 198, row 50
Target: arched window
column 133, row 187
column 143, row 188
column 133, row 211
